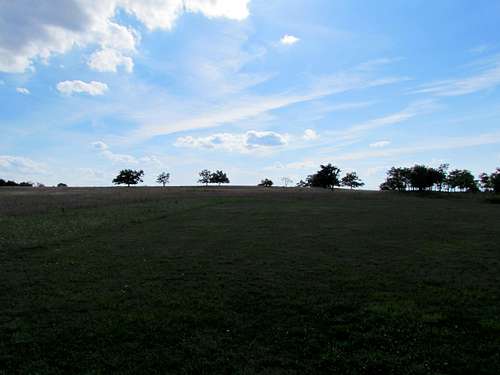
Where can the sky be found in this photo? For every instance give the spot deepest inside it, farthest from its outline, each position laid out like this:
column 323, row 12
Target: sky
column 257, row 88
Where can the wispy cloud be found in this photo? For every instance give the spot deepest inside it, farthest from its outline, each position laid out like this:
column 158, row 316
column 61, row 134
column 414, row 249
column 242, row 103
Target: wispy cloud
column 19, row 164
column 449, row 143
column 482, row 48
column 250, row 106
column 487, row 77
column 406, row 114
column 379, row 144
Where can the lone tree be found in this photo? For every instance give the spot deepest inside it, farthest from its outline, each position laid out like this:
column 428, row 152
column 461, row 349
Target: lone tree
column 352, row 180
column 266, row 183
column 327, row 177
column 219, row 177
column 128, row 177
column 205, row 176
column 286, row 181
column 163, row 178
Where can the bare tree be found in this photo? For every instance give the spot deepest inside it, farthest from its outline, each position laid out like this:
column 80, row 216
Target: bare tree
column 286, row 181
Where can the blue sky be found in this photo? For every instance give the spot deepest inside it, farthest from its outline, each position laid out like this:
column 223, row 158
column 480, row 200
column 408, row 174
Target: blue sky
column 256, row 88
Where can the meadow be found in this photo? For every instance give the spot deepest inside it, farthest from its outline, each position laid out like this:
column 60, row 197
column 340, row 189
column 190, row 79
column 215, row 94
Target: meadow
column 248, row 281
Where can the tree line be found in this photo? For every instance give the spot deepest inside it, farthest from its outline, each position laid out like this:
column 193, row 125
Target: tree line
column 423, row 178
column 11, row 183
column 416, row 178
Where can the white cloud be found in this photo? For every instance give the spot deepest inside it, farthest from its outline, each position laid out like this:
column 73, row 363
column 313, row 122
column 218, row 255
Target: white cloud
column 104, row 150
column 29, row 33
column 264, row 139
column 246, row 142
column 108, row 60
column 92, row 88
column 232, row 9
column 18, row 164
column 162, row 14
column 289, row 40
column 310, row 135
column 23, row 90
column 379, row 144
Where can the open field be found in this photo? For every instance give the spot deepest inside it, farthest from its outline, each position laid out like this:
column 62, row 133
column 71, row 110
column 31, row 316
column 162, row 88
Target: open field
column 247, row 281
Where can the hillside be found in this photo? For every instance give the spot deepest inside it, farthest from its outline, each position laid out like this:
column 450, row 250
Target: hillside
column 247, row 281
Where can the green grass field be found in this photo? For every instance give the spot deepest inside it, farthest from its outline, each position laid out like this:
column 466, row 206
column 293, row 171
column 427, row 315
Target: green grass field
column 247, row 281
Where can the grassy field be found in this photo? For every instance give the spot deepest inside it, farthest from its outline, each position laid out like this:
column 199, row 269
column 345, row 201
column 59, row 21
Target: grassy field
column 247, row 281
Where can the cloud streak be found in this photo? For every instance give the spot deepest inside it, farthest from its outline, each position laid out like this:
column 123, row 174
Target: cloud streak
column 487, row 78
column 248, row 107
column 442, row 144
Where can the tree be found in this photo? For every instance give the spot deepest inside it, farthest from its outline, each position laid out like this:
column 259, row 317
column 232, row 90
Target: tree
column 397, row 179
column 219, row 177
column 128, row 177
column 327, row 177
column 61, row 185
column 422, row 177
column 490, row 182
column 495, row 181
column 266, row 183
column 442, row 176
column 205, row 176
column 163, row 178
column 303, row 184
column 485, row 182
column 286, row 181
column 463, row 180
column 8, row 183
column 14, row 183
column 352, row 180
